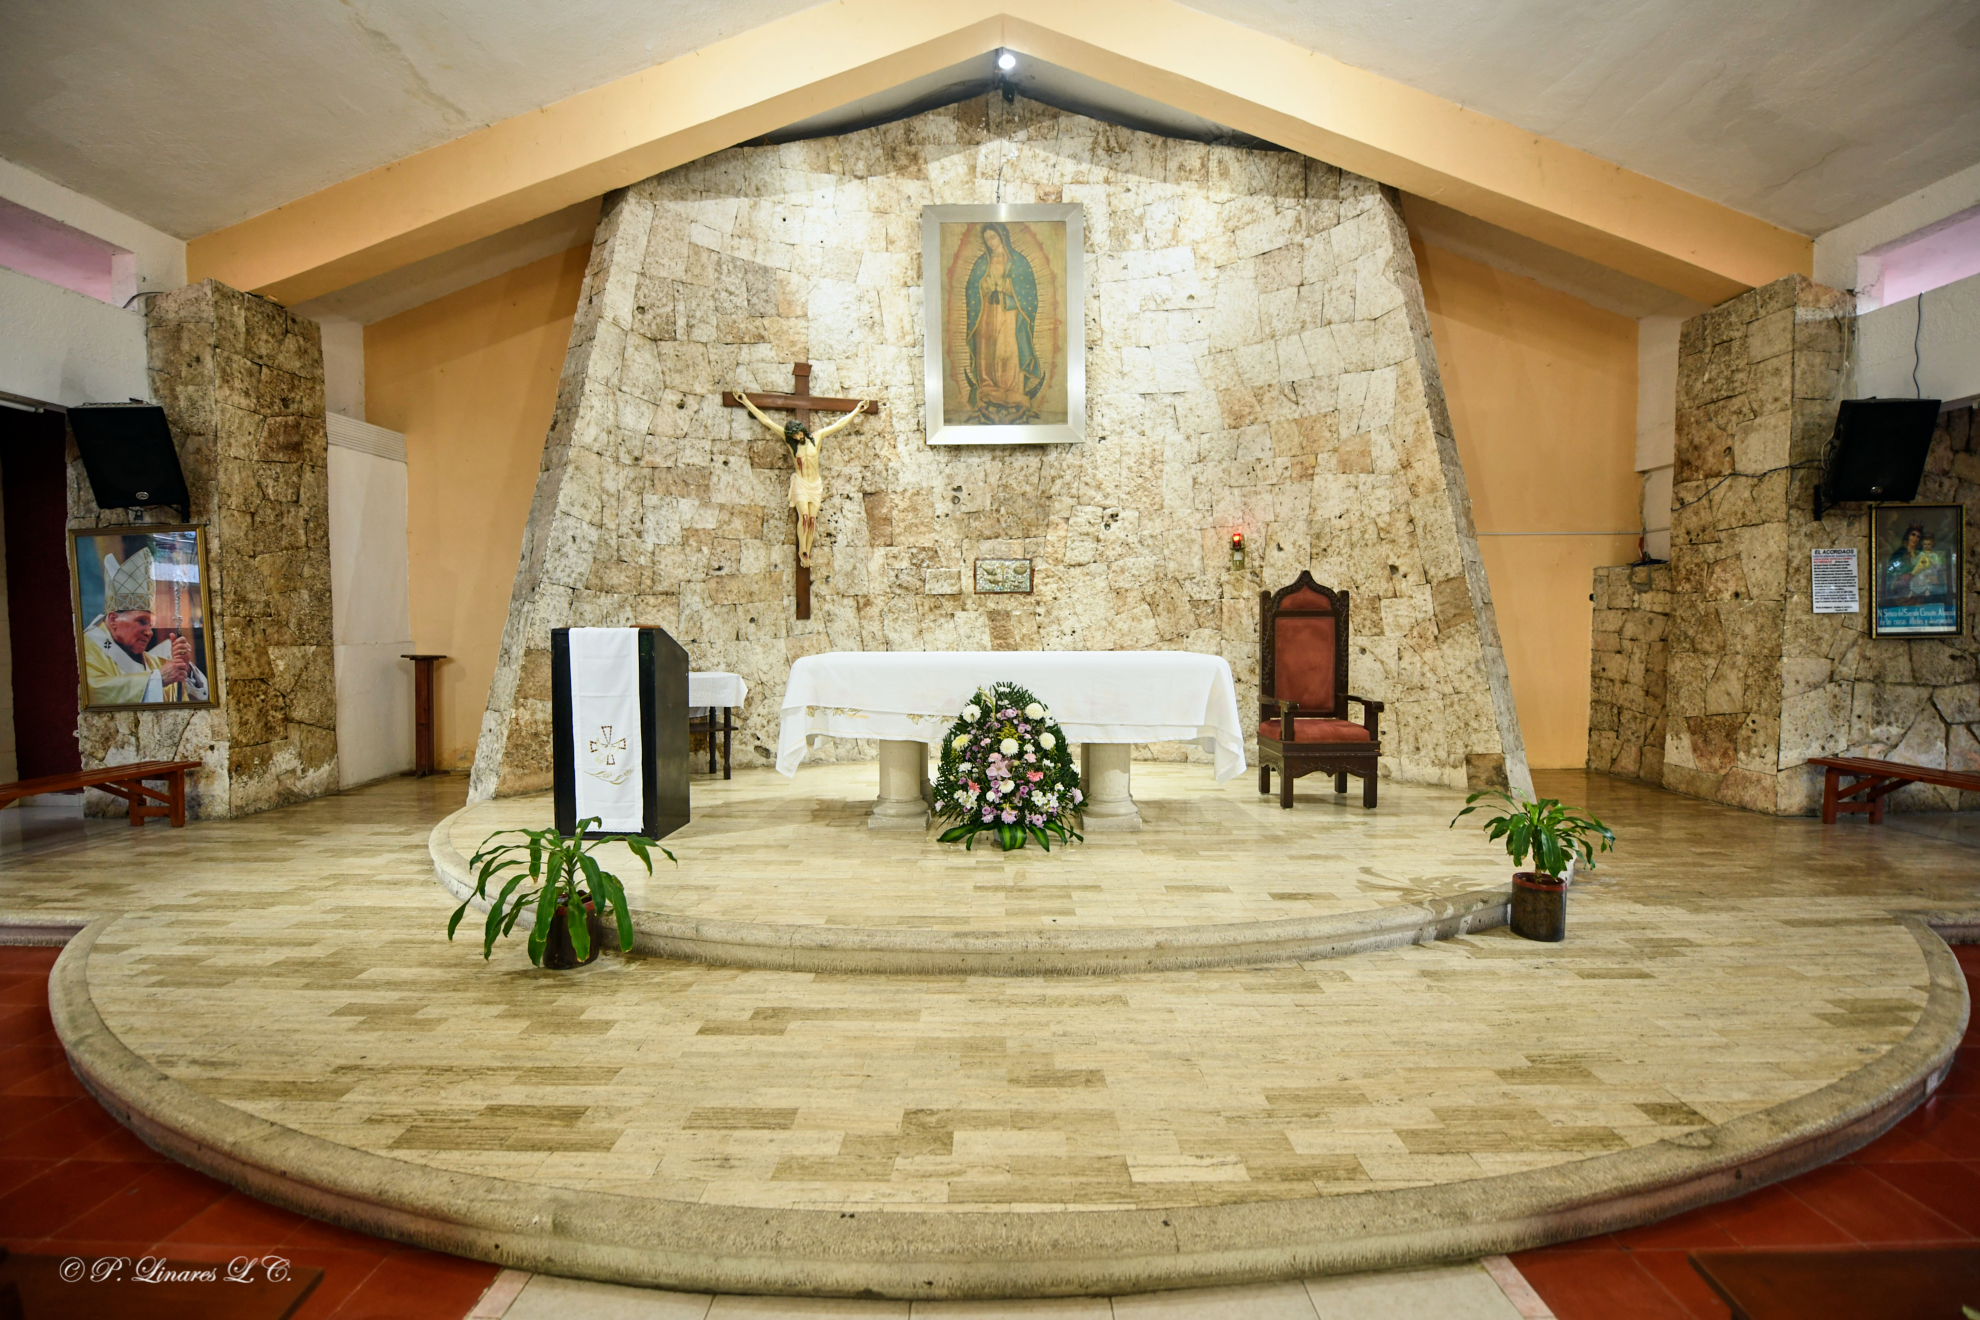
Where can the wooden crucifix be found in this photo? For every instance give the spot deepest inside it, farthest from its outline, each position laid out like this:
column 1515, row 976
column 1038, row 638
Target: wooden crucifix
column 807, row 487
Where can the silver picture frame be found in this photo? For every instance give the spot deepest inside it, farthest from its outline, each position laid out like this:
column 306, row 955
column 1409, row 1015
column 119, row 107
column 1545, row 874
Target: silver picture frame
column 1073, row 429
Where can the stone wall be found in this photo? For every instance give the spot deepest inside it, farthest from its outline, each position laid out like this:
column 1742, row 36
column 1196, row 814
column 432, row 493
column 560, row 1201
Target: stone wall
column 241, row 382
column 1258, row 360
column 1628, row 670
column 1758, row 682
column 1846, row 693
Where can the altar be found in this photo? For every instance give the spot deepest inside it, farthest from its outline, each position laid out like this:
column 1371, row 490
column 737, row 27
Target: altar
column 1105, row 701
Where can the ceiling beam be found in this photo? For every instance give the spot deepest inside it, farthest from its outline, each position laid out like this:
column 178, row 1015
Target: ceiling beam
column 816, row 60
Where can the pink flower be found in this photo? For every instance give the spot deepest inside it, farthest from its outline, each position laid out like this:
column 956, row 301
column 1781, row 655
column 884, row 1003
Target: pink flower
column 988, row 814
column 1010, row 818
column 1078, row 796
column 1035, row 776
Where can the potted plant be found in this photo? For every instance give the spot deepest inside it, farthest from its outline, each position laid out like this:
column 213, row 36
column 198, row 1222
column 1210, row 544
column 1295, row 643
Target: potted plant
column 558, row 881
column 1557, row 837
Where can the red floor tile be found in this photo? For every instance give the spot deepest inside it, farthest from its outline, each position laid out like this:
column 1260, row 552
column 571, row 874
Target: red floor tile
column 1775, row 1217
column 163, row 1199
column 1695, row 1230
column 24, row 990
column 121, row 1144
column 317, row 1233
column 43, row 1206
column 54, row 1080
column 344, row 1272
column 20, row 1060
column 1673, row 1270
column 235, row 1221
column 417, row 1285
column 14, row 1172
column 1871, row 1210
column 76, row 1182
column 1598, row 1285
column 1948, row 1188
column 22, row 1111
column 1910, row 1139
column 20, row 1024
column 71, row 1127
column 1952, row 1123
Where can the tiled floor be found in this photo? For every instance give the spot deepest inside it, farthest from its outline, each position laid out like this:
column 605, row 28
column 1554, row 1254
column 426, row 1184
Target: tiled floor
column 1916, row 1186
column 73, row 1181
column 797, row 852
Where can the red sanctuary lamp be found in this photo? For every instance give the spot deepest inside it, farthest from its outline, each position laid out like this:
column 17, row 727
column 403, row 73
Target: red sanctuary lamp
column 1237, row 550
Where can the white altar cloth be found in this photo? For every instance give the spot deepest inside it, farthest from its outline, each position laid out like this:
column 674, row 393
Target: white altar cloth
column 1096, row 696
column 715, row 687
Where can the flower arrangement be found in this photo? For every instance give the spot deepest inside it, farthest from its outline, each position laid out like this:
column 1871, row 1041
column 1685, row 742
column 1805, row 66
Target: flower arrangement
column 1007, row 772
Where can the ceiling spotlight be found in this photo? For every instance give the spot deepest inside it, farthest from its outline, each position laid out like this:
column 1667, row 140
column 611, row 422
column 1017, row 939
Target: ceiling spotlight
column 1007, row 61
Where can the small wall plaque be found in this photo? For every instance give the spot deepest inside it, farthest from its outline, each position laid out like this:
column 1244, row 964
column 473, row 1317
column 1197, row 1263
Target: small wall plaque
column 1000, row 576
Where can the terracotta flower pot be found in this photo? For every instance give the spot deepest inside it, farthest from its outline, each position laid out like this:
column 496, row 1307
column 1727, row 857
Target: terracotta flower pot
column 559, row 954
column 1539, row 906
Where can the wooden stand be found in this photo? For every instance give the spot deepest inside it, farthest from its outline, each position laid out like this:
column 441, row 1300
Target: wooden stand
column 423, row 714
column 722, row 720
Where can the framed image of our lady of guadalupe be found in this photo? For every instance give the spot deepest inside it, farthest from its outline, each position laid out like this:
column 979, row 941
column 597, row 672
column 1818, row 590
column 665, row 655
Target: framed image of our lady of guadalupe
column 1004, row 292
column 1918, row 584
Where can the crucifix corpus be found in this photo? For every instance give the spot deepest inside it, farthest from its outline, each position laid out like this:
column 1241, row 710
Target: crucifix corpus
column 807, row 485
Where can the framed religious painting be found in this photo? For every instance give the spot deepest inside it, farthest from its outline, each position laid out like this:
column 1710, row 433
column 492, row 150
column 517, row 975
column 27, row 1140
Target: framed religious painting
column 1005, row 308
column 144, row 618
column 1918, row 570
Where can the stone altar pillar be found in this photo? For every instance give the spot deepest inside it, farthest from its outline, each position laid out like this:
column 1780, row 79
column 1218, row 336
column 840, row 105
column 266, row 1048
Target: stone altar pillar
column 1103, row 775
column 904, row 791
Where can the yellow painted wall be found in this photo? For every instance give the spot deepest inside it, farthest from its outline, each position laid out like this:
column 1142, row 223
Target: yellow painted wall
column 1542, row 392
column 472, row 380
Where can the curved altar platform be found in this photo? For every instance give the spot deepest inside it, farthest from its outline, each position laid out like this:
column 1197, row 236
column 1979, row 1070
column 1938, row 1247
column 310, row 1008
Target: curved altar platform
column 273, row 1001
column 727, row 1130
column 783, row 873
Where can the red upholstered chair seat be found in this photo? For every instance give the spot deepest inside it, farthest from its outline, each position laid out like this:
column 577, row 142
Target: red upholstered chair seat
column 1320, row 730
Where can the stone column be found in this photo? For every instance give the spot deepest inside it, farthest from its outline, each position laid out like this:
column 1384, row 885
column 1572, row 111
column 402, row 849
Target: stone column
column 241, row 382
column 1103, row 774
column 903, row 801
column 1758, row 682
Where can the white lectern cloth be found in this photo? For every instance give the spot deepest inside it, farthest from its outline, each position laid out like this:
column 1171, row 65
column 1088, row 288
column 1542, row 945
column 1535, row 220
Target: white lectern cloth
column 716, row 688
column 605, row 727
column 1096, row 696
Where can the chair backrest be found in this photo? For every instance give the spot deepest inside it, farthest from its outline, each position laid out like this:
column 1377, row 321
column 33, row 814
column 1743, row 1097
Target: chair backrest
column 1303, row 648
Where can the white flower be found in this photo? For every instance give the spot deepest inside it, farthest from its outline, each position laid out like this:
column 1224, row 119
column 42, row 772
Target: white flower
column 1008, row 747
column 962, row 741
column 1034, row 711
column 972, row 714
column 1047, row 741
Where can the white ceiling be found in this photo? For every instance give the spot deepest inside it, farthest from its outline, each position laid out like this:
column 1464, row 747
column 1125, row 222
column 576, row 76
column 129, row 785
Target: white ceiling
column 192, row 114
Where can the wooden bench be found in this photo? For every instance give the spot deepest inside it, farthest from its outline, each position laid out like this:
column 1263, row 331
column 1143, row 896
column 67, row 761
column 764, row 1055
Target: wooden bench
column 1871, row 780
column 124, row 781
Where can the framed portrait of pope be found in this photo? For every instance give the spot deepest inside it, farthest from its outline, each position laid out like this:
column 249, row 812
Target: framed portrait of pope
column 1004, row 305
column 144, row 625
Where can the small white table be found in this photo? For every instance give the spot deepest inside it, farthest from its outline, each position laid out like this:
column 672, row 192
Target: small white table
column 714, row 690
column 1106, row 701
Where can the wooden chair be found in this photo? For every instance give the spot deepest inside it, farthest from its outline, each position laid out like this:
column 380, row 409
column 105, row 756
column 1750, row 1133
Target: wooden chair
column 1303, row 693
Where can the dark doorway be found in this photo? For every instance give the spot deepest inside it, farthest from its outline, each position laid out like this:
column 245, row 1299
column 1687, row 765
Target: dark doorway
column 40, row 627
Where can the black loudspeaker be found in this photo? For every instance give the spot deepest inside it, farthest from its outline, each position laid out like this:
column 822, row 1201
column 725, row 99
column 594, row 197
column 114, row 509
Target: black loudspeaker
column 663, row 745
column 128, row 453
column 1879, row 451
